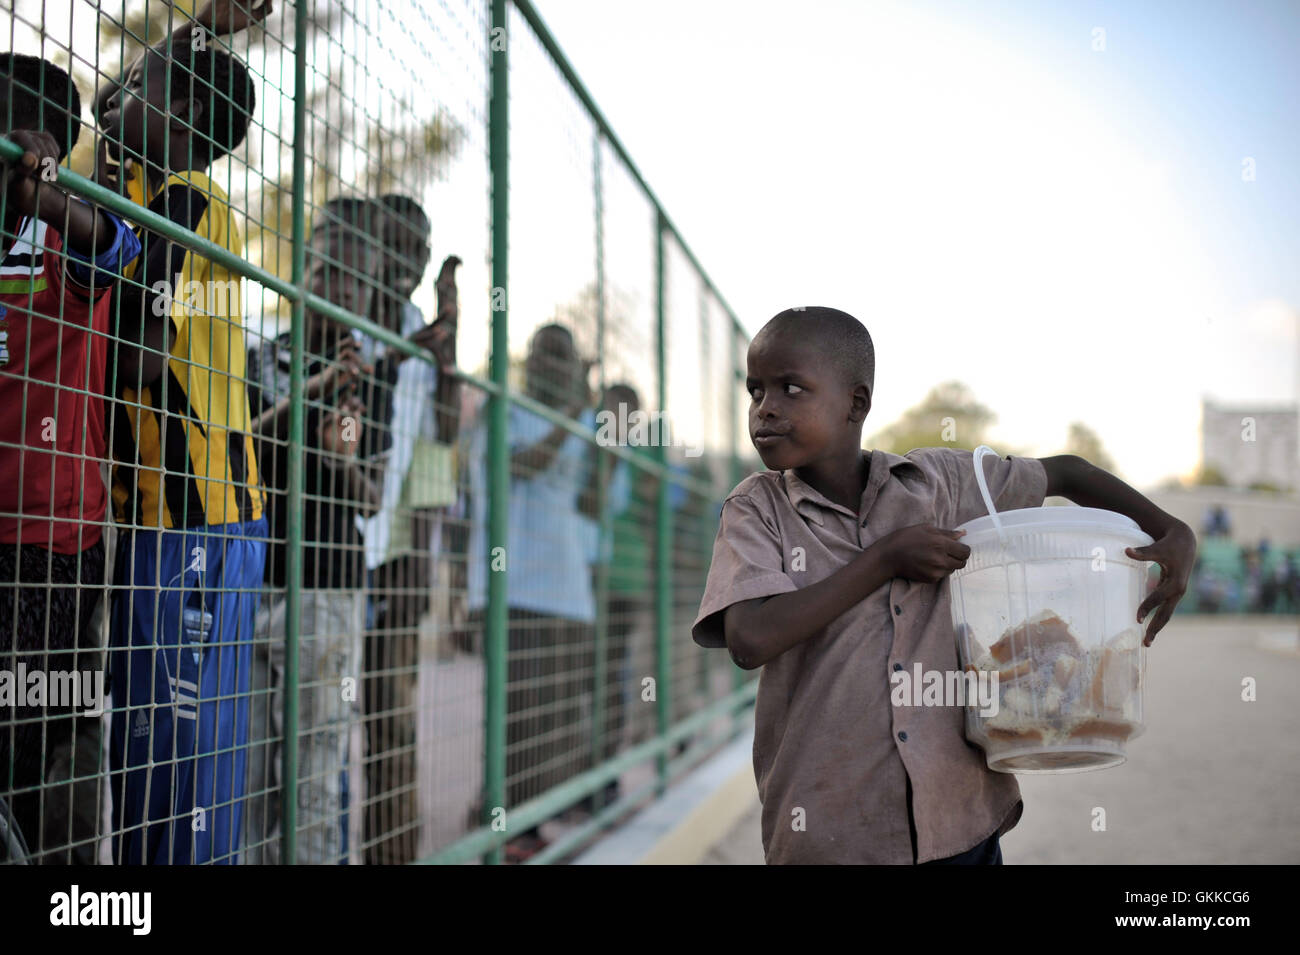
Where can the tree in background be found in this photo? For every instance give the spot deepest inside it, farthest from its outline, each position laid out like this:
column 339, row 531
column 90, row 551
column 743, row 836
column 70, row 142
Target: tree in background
column 1084, row 442
column 1210, row 476
column 949, row 416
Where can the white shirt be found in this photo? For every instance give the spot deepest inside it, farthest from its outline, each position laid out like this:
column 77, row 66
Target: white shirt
column 413, row 418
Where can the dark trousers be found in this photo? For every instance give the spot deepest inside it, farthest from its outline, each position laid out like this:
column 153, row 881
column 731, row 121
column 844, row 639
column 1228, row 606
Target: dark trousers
column 549, row 672
column 48, row 754
column 391, row 822
column 988, row 852
column 622, row 619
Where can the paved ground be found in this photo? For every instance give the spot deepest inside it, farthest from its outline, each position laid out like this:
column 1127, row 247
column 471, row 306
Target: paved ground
column 1213, row 780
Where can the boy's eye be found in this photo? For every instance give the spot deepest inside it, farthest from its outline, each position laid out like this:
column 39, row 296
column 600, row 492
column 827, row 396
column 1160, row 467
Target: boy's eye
column 796, row 388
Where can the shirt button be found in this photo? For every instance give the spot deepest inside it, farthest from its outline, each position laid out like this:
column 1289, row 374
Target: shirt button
column 898, row 666
column 902, row 735
column 897, row 609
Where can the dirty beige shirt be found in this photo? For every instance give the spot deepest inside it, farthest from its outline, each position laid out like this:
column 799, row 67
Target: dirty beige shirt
column 833, row 757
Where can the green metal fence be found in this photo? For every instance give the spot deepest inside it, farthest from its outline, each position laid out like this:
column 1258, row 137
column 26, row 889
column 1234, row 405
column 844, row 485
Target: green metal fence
column 524, row 613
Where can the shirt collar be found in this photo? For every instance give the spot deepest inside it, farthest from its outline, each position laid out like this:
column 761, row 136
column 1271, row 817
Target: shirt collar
column 809, row 502
column 141, row 190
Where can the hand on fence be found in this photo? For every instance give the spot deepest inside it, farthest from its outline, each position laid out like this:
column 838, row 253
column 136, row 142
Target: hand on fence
column 25, row 174
column 448, row 308
column 440, row 337
column 583, row 396
column 346, row 368
column 229, row 17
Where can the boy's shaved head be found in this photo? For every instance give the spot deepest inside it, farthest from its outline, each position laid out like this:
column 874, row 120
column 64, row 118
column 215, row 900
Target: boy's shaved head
column 838, row 335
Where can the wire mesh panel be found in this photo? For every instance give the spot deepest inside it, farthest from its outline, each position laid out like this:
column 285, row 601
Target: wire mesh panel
column 256, row 552
column 624, row 575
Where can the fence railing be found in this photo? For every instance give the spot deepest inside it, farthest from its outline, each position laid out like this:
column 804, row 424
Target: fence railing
column 472, row 611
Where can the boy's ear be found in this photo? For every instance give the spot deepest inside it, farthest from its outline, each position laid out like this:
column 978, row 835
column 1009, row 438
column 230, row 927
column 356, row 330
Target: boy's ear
column 185, row 114
column 860, row 406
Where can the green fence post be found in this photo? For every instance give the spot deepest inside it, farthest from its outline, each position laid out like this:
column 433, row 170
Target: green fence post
column 297, row 421
column 663, row 552
column 603, row 464
column 495, row 644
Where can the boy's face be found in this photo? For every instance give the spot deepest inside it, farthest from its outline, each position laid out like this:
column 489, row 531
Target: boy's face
column 407, row 258
column 138, row 116
column 551, row 368
column 631, row 404
column 799, row 409
column 337, row 268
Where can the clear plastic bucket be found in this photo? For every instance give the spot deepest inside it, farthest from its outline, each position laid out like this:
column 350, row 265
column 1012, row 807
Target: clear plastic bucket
column 1047, row 601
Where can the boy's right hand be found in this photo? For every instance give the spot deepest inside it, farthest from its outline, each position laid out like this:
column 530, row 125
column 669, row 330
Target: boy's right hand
column 923, row 552
column 26, row 173
column 229, row 17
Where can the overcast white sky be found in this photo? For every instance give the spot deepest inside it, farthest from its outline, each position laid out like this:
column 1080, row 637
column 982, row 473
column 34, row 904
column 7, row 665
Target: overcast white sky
column 1066, row 229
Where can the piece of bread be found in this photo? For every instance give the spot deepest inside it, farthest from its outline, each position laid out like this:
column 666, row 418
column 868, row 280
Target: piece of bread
column 1104, row 729
column 1114, row 680
column 1015, row 672
column 1014, row 736
column 1041, row 636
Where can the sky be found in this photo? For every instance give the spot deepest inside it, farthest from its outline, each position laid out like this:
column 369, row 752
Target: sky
column 1085, row 211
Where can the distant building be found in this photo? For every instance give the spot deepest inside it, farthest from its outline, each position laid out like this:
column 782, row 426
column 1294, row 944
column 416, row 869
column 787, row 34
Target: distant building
column 1252, row 444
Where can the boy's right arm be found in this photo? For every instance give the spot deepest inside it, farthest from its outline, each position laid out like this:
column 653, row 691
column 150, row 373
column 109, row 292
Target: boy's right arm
column 760, row 630
column 527, row 462
column 273, row 422
column 99, row 245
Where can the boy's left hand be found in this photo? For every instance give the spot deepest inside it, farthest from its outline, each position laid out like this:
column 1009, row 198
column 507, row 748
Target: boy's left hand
column 226, row 17
column 1175, row 552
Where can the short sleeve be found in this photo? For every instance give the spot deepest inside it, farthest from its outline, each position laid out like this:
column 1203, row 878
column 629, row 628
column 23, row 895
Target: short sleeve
column 1013, row 482
column 106, row 266
column 747, row 564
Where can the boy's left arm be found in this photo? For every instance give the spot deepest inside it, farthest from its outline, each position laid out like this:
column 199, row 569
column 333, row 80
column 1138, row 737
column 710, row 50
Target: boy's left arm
column 1174, row 546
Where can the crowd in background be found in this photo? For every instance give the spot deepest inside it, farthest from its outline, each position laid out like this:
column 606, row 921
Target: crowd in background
column 1233, row 578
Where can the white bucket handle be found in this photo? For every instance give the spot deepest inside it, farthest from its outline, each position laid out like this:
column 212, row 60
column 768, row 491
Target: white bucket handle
column 979, row 455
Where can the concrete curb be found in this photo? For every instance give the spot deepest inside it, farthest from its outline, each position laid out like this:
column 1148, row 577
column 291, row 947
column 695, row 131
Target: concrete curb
column 680, row 828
